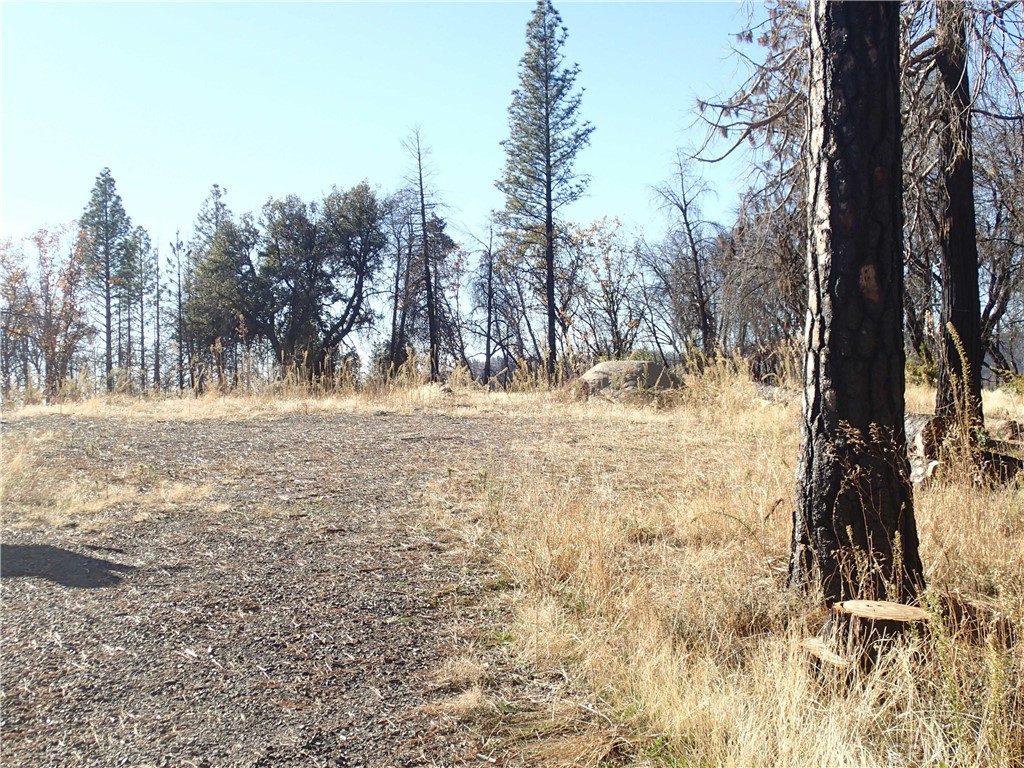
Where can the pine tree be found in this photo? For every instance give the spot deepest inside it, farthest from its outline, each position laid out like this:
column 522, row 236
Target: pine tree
column 209, row 316
column 105, row 234
column 545, row 135
column 853, row 526
column 959, row 374
column 142, row 284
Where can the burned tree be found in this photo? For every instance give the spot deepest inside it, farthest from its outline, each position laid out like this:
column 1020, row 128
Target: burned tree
column 853, row 527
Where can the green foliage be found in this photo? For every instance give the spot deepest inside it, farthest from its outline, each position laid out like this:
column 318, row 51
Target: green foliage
column 105, row 249
column 644, row 353
column 105, row 235
column 1010, row 381
column 299, row 279
column 220, row 282
column 923, row 371
column 545, row 135
column 544, row 129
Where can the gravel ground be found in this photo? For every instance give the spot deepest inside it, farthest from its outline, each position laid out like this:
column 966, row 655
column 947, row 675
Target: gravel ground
column 290, row 614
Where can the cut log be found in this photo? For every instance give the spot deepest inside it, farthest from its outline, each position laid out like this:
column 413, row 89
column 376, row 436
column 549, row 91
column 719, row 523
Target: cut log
column 820, row 650
column 881, row 610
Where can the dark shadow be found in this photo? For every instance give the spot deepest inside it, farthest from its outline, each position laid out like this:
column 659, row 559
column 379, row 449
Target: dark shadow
column 60, row 566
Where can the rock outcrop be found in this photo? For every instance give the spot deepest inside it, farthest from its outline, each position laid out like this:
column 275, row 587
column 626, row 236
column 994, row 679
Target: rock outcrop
column 616, row 378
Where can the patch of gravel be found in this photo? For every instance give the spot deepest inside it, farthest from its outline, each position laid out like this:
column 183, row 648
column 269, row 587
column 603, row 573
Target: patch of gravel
column 291, row 618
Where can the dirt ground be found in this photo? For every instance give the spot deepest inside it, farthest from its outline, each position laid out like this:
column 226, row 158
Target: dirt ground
column 283, row 607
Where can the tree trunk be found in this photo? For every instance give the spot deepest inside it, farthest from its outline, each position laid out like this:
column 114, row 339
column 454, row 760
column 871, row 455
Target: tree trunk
column 490, row 309
column 125, row 353
column 549, row 233
column 959, row 385
column 181, row 333
column 549, row 271
column 142, row 325
column 156, row 340
column 108, row 315
column 392, row 366
column 404, row 315
column 853, row 527
column 701, row 302
column 549, row 291
column 435, row 362
column 529, row 326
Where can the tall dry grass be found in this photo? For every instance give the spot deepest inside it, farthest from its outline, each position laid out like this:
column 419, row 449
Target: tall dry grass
column 644, row 552
column 646, row 549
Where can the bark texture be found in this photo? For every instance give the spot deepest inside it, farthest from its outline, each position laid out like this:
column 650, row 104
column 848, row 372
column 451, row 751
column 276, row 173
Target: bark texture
column 959, row 384
column 853, row 526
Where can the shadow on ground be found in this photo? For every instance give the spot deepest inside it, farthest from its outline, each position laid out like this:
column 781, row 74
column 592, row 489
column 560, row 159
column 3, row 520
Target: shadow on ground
column 60, row 566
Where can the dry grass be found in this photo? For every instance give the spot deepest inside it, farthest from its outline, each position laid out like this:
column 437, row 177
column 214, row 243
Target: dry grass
column 241, row 406
column 81, row 497
column 643, row 551
column 646, row 550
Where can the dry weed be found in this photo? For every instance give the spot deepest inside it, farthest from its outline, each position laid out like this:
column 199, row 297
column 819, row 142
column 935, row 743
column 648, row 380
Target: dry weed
column 647, row 548
column 33, row 495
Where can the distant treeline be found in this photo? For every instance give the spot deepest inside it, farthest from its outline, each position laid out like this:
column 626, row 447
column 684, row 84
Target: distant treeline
column 362, row 282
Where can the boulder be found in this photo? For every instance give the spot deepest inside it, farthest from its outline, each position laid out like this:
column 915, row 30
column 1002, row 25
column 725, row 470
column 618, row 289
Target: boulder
column 614, row 378
column 1008, row 429
column 775, row 394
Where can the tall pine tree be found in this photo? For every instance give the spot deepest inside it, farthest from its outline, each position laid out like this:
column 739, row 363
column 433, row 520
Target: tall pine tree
column 853, row 527
column 545, row 135
column 104, row 239
column 962, row 354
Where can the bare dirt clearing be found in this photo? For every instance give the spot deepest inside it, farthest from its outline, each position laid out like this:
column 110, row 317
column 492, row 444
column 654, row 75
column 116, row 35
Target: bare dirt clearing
column 252, row 593
column 434, row 579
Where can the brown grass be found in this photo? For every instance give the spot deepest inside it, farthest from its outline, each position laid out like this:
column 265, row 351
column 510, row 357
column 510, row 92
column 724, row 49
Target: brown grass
column 31, row 496
column 642, row 552
column 646, row 549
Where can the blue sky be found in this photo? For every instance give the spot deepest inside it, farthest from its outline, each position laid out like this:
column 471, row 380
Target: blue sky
column 273, row 99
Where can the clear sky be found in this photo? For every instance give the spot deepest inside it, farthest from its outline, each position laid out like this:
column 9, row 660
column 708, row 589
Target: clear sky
column 273, row 99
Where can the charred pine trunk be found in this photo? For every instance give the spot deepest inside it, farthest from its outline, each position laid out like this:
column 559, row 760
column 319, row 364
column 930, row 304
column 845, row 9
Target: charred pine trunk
column 959, row 385
column 396, row 295
column 853, row 527
column 488, row 349
column 549, row 240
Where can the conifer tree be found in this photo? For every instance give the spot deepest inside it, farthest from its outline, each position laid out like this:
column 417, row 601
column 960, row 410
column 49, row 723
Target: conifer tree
column 105, row 234
column 545, row 135
column 853, row 526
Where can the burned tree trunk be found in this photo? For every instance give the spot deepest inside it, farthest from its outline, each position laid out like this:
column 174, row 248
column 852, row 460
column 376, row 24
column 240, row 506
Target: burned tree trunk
column 853, row 528
column 959, row 384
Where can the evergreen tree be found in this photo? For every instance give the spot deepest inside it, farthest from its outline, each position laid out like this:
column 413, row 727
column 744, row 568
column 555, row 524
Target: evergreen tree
column 179, row 267
column 545, row 135
column 210, row 316
column 213, row 215
column 105, row 234
column 138, row 288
